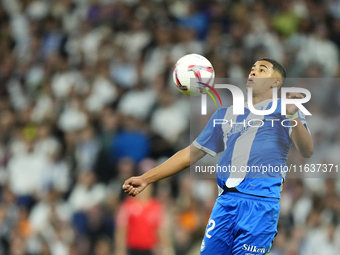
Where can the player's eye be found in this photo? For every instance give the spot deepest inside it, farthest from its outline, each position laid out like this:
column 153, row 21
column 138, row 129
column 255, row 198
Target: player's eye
column 262, row 70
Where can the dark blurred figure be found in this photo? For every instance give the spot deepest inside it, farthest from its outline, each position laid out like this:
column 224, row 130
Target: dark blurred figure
column 130, row 141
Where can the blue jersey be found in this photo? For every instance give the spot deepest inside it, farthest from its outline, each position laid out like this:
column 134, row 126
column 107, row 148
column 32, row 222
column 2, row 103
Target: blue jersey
column 255, row 146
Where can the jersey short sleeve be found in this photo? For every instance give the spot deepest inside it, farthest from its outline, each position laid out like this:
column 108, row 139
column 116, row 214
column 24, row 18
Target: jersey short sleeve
column 211, row 138
column 303, row 120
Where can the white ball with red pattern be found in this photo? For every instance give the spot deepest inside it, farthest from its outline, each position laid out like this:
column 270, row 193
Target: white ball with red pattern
column 193, row 74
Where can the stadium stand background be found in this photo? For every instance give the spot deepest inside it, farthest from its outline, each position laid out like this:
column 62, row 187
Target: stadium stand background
column 87, row 100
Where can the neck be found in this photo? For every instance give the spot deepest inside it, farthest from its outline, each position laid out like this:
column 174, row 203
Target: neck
column 258, row 98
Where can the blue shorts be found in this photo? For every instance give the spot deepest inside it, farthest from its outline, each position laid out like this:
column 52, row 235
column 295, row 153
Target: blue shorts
column 241, row 224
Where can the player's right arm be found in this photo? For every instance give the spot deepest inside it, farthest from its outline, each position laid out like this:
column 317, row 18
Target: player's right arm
column 178, row 162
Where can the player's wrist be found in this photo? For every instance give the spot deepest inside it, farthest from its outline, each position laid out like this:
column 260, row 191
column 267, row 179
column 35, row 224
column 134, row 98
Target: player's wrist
column 292, row 116
column 146, row 179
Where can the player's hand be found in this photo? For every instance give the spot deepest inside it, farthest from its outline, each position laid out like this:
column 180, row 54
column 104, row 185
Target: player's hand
column 134, row 185
column 292, row 108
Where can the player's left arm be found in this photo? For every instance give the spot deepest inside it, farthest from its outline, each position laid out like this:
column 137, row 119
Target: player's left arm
column 300, row 135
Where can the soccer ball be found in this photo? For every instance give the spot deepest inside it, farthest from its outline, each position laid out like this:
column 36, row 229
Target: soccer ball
column 193, row 75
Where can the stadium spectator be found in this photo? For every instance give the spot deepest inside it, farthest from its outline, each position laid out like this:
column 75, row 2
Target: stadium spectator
column 28, row 165
column 86, row 193
column 141, row 227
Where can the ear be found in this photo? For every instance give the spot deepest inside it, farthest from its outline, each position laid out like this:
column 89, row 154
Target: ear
column 277, row 83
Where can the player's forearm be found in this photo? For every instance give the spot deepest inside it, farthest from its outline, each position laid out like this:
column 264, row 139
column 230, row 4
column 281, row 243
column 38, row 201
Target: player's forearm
column 173, row 165
column 302, row 139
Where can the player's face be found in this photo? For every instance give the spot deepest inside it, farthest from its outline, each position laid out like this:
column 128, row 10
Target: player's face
column 262, row 77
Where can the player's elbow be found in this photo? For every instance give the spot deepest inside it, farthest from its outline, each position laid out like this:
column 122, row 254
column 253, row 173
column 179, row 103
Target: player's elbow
column 308, row 153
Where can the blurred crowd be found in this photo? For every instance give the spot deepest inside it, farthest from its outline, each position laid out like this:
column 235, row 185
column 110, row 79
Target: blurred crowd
column 87, row 100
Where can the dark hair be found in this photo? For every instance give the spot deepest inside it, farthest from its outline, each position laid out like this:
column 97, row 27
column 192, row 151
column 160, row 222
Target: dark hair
column 276, row 66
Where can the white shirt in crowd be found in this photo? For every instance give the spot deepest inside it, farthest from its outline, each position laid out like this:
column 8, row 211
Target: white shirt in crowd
column 83, row 197
column 24, row 167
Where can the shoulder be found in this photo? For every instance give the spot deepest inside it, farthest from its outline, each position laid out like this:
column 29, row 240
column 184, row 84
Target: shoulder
column 222, row 111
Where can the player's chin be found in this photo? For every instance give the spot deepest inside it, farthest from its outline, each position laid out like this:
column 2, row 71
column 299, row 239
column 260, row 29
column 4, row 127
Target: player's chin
column 250, row 84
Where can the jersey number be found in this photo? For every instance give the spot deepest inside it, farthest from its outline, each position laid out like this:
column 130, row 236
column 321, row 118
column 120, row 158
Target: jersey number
column 212, row 223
